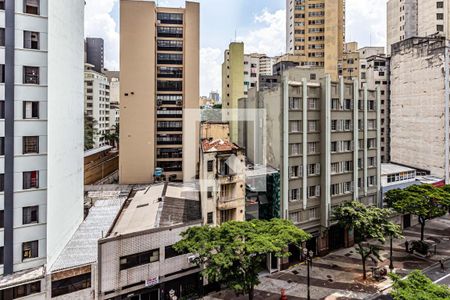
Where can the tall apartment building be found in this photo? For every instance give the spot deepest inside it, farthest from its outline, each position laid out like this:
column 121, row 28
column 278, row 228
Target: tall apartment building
column 420, row 108
column 240, row 73
column 42, row 137
column 350, row 62
column 374, row 72
column 222, row 175
column 114, row 98
column 97, row 104
column 412, row 18
column 315, row 31
column 159, row 65
column 95, row 53
column 324, row 136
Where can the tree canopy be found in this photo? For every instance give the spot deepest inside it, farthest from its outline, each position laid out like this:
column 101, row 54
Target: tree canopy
column 417, row 286
column 424, row 201
column 369, row 222
column 233, row 252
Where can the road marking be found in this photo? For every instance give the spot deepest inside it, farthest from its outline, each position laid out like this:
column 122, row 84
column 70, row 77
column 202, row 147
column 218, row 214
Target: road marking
column 442, row 278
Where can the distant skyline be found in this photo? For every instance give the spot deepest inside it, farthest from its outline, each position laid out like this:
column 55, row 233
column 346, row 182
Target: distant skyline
column 259, row 24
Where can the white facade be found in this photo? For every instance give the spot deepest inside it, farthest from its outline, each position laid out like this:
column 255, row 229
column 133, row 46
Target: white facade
column 47, row 130
column 114, row 99
column 97, row 104
column 255, row 65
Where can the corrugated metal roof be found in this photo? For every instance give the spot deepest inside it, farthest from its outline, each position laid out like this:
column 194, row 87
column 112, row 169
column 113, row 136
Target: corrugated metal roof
column 82, row 247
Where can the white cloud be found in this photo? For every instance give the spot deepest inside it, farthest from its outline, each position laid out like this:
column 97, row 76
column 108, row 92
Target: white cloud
column 210, row 70
column 99, row 23
column 366, row 22
column 270, row 35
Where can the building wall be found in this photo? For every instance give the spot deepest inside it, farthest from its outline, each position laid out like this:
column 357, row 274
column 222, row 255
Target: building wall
column 112, row 249
column 402, row 21
column 428, row 22
column 418, row 106
column 95, row 53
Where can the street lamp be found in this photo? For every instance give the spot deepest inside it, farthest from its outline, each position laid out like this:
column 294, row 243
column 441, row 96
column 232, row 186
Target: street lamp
column 308, row 257
column 391, row 263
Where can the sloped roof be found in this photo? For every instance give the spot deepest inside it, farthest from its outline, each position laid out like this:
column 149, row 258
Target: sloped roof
column 218, row 145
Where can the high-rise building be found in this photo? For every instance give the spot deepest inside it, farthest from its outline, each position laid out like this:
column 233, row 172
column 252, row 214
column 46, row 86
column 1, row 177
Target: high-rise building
column 114, row 98
column 41, row 147
column 324, row 136
column 159, row 70
column 315, row 31
column 414, row 18
column 420, row 108
column 95, row 53
column 240, row 73
column 97, row 104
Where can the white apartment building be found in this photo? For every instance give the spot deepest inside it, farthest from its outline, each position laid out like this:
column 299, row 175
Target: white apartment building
column 412, row 18
column 114, row 98
column 255, row 65
column 41, row 129
column 97, row 103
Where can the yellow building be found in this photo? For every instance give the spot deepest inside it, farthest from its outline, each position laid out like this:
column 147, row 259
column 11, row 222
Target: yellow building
column 232, row 85
column 159, row 63
column 316, row 33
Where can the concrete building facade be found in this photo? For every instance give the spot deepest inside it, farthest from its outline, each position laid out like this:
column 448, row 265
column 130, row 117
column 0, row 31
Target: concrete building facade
column 41, row 138
column 159, row 85
column 324, row 136
column 97, row 103
column 315, row 31
column 420, row 108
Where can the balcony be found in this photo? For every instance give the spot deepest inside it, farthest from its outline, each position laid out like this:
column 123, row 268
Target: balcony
column 226, row 203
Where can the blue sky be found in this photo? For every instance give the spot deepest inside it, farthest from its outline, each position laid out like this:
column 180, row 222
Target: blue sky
column 259, row 23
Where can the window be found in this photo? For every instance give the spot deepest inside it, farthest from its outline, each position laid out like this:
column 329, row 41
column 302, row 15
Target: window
column 30, row 215
column 294, row 126
column 295, row 217
column 334, row 147
column 170, row 18
column 2, row 73
column 2, row 182
column 314, row 213
column 334, row 125
column 371, row 181
column 371, row 143
column 30, row 249
column 440, row 4
column 2, row 109
column 313, row 126
column 170, row 252
column 2, row 255
column 26, row 289
column 210, row 192
column 210, row 165
column 313, row 169
column 294, row 172
column 31, row 7
column 172, row 32
column 209, row 218
column 294, row 195
column 2, row 218
column 313, row 148
column 71, row 284
column 314, row 191
column 170, row 59
column 30, row 180
column 2, row 37
column 294, row 103
column 170, row 45
column 30, row 109
column 30, row 144
column 440, row 16
column 31, row 40
column 313, row 104
column 30, row 75
column 171, row 86
column 2, row 4
column 138, row 259
column 227, row 215
column 440, row 28
column 2, row 146
column 170, row 72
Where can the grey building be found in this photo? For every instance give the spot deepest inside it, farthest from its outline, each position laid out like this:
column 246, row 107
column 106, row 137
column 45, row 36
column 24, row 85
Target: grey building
column 324, row 136
column 95, row 53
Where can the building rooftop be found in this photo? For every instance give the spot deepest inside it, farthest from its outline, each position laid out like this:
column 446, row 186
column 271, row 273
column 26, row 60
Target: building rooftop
column 259, row 170
column 387, row 169
column 22, row 277
column 159, row 205
column 96, row 150
column 82, row 247
column 218, row 145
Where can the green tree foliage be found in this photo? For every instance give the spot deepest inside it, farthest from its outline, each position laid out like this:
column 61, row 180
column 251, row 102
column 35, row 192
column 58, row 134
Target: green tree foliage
column 369, row 222
column 233, row 252
column 417, row 286
column 424, row 201
column 113, row 136
column 89, row 131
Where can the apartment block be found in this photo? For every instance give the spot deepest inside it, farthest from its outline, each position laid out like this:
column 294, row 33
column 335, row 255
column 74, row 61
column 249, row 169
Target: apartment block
column 41, row 143
column 324, row 136
column 240, row 73
column 159, row 86
column 222, row 176
column 420, row 108
column 97, row 103
column 136, row 258
column 350, row 62
column 315, row 31
column 374, row 72
column 416, row 18
column 114, row 98
column 95, row 53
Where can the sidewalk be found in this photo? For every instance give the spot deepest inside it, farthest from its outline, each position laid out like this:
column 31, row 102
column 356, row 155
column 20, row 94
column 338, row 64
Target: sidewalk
column 338, row 275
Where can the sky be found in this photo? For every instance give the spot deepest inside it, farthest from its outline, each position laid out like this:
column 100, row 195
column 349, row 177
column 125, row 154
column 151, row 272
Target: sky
column 260, row 24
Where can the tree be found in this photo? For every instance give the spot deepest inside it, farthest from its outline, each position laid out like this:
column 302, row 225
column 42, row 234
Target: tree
column 424, row 201
column 369, row 222
column 233, row 252
column 89, row 131
column 417, row 286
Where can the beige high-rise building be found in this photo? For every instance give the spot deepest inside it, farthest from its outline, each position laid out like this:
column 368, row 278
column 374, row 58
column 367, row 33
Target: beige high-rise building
column 159, row 64
column 315, row 31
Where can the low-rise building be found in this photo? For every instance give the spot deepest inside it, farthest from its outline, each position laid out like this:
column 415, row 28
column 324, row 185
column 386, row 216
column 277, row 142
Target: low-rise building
column 222, row 176
column 136, row 257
